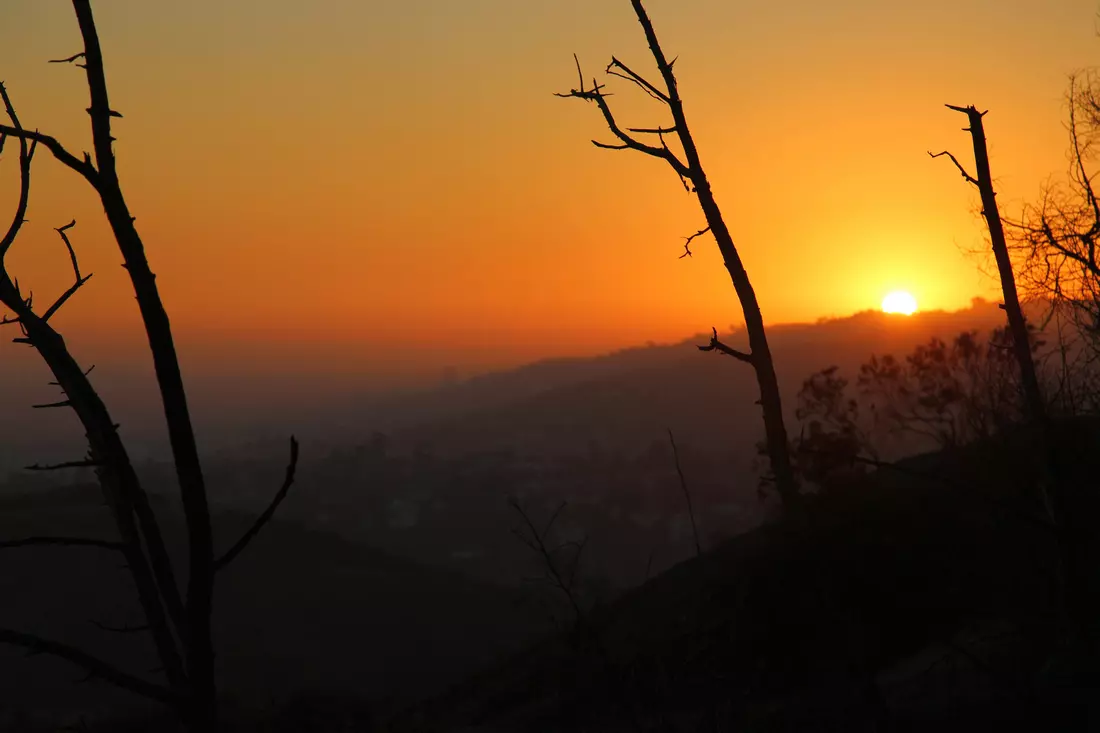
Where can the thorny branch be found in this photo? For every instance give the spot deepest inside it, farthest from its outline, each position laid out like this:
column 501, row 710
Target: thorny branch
column 152, row 573
column 84, row 168
column 688, row 240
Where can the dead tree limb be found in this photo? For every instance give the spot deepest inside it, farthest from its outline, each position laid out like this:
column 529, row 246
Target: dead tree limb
column 969, row 178
column 181, row 434
column 688, row 241
column 95, row 667
column 85, row 463
column 692, row 175
column 716, row 345
column 239, row 545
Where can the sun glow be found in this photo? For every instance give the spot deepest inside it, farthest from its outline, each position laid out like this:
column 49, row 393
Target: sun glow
column 899, row 301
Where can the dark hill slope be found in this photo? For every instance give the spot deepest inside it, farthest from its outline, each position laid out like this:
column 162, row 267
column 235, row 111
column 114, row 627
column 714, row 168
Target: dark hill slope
column 943, row 564
column 625, row 401
column 299, row 612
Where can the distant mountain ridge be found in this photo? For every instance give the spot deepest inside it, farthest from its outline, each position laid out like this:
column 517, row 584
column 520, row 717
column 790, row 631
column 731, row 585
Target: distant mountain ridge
column 461, row 415
column 625, row 401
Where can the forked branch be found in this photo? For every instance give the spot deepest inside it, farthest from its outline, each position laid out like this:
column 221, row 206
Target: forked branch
column 716, row 345
column 78, row 282
column 15, row 130
column 538, row 542
column 626, row 142
column 619, row 69
column 688, row 240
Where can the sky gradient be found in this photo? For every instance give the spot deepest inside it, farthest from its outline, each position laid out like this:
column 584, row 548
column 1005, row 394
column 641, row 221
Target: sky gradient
column 391, row 186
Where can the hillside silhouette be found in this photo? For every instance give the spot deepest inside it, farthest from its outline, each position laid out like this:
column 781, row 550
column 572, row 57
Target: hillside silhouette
column 917, row 598
column 305, row 613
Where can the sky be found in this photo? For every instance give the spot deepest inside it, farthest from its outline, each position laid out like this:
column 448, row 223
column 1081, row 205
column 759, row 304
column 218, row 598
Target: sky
column 391, row 188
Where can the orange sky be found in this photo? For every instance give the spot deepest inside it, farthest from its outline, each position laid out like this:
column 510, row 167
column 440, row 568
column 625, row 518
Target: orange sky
column 397, row 177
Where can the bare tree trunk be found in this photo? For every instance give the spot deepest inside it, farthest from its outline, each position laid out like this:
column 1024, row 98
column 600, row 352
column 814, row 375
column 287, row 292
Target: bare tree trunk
column 153, row 576
column 761, row 358
column 200, row 586
column 1055, row 492
column 691, row 170
column 1017, row 324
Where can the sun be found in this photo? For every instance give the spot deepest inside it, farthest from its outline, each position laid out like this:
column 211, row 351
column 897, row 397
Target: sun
column 899, row 301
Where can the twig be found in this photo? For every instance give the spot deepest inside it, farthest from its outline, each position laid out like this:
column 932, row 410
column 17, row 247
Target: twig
column 76, row 272
column 688, row 240
column 50, row 405
column 687, row 494
column 83, row 463
column 635, row 78
column 26, row 155
column 68, row 60
column 63, row 542
column 969, row 178
column 120, row 629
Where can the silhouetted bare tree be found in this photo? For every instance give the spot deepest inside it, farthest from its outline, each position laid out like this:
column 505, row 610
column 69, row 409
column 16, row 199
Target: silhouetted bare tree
column 694, row 179
column 1017, row 324
column 1061, row 499
column 560, row 560
column 1056, row 240
column 179, row 623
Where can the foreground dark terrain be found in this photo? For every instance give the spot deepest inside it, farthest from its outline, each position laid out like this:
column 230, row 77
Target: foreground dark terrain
column 305, row 621
column 918, row 597
column 391, row 593
column 921, row 597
